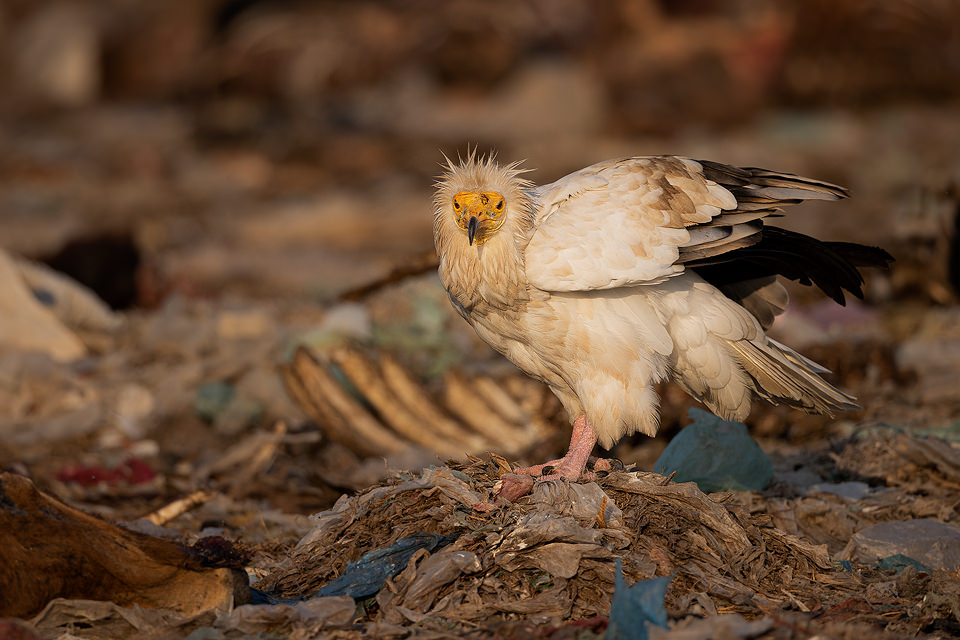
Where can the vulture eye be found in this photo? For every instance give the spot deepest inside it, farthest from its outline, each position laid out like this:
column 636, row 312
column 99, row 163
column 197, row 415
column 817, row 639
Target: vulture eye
column 456, row 205
column 500, row 205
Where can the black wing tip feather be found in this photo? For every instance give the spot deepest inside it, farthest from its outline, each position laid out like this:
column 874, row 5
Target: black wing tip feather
column 862, row 255
column 830, row 266
column 859, row 255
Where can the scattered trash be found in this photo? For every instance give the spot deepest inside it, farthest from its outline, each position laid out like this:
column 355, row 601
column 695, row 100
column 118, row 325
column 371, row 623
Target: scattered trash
column 26, row 324
column 716, row 454
column 72, row 303
column 62, row 617
column 242, row 324
column 312, row 614
column 552, row 553
column 230, row 223
column 928, row 542
column 852, row 491
column 44, row 402
column 365, row 577
column 340, row 324
column 635, row 606
column 131, row 471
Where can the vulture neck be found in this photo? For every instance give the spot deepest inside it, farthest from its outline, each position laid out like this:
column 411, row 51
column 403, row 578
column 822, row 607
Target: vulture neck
column 493, row 273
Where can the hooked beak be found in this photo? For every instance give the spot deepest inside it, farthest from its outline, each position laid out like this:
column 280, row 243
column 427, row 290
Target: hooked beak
column 472, row 228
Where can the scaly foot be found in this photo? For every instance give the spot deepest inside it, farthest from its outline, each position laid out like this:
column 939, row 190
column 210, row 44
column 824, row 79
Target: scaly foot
column 570, row 467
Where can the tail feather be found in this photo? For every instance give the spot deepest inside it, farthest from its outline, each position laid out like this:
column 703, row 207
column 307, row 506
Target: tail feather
column 798, row 358
column 781, row 375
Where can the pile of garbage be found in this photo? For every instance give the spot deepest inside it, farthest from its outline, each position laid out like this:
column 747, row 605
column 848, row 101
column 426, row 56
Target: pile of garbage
column 439, row 552
column 854, row 540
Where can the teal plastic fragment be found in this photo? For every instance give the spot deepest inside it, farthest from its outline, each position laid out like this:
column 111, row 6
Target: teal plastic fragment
column 212, row 398
column 900, row 562
column 633, row 607
column 717, row 454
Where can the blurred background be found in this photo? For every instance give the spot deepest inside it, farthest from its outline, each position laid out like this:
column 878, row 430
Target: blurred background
column 288, row 147
column 220, row 172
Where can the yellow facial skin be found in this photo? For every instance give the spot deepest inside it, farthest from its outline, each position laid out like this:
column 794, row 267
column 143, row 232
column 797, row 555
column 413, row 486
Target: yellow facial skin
column 487, row 207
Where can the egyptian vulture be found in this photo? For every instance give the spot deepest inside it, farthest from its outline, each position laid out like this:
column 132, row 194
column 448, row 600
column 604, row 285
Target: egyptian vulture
column 634, row 271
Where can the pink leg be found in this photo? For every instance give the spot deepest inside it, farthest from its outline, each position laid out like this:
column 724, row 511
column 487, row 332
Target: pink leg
column 578, row 428
column 575, row 461
column 519, row 483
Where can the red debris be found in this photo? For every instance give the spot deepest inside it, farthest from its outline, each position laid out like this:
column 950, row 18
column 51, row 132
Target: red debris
column 131, row 471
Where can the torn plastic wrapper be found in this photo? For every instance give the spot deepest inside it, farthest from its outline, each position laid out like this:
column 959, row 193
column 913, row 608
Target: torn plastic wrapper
column 364, row 577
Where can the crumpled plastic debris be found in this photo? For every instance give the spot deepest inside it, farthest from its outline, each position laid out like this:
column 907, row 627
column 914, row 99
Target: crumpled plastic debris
column 73, row 304
column 724, row 625
column 931, row 543
column 26, row 324
column 717, row 454
column 635, row 606
column 551, row 543
column 928, row 452
column 551, row 555
column 61, row 616
column 316, row 612
column 331, row 523
column 364, row 577
column 43, row 401
column 852, row 491
column 437, row 571
column 413, row 593
column 586, row 502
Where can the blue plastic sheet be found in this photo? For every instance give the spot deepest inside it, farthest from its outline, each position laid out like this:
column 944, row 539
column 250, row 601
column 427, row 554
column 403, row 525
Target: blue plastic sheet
column 633, row 607
column 365, row 577
column 717, row 454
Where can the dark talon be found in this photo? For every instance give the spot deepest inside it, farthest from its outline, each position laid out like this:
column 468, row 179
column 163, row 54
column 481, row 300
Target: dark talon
column 547, row 470
column 616, row 464
column 602, row 473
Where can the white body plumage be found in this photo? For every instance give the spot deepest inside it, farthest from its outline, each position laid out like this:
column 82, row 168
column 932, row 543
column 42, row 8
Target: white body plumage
column 585, row 287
